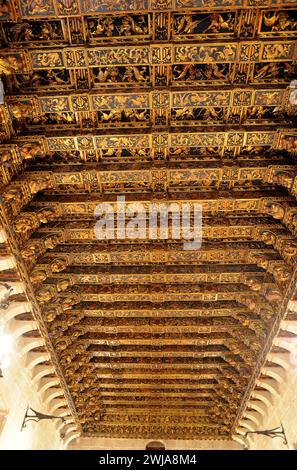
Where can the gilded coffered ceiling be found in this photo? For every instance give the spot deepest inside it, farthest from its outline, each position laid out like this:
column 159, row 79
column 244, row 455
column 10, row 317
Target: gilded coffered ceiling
column 157, row 100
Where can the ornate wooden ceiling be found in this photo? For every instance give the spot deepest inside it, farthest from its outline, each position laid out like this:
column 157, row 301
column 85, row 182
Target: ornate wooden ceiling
column 179, row 100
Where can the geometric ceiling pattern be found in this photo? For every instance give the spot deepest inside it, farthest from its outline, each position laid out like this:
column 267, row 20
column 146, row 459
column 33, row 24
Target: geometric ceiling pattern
column 160, row 100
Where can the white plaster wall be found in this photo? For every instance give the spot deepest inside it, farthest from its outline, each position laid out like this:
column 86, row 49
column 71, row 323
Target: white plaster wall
column 16, row 392
column 85, row 443
column 284, row 410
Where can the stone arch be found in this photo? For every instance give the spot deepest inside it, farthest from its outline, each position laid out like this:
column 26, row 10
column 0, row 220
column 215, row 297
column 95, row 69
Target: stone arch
column 155, row 445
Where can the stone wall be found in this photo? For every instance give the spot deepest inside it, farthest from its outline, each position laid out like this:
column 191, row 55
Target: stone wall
column 283, row 410
column 29, row 379
column 17, row 391
column 273, row 402
column 140, row 444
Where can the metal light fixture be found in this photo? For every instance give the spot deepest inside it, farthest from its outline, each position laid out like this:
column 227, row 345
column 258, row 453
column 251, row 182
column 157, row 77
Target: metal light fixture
column 37, row 416
column 272, row 433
